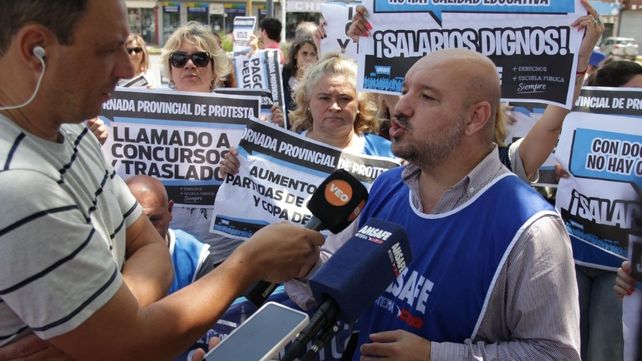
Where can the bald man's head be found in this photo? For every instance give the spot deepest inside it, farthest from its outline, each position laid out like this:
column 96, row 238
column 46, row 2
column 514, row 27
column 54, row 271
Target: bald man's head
column 152, row 196
column 473, row 74
column 447, row 108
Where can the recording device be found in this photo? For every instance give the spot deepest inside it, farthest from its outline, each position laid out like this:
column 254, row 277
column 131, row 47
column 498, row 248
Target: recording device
column 262, row 335
column 334, row 205
column 39, row 52
column 354, row 277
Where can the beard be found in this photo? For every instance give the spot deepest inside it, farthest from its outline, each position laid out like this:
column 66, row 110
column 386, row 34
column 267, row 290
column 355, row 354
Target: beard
column 433, row 149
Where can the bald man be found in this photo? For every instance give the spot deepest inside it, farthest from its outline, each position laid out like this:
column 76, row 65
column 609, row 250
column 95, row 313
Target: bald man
column 190, row 257
column 492, row 275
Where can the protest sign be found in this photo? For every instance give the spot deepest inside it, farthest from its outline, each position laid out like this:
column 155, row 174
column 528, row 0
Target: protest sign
column 279, row 172
column 338, row 17
column 531, row 42
column 177, row 137
column 243, row 29
column 601, row 147
column 261, row 71
column 264, row 94
column 139, row 81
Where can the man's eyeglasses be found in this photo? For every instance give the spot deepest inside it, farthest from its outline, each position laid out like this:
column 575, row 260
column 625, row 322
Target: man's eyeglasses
column 136, row 50
column 178, row 59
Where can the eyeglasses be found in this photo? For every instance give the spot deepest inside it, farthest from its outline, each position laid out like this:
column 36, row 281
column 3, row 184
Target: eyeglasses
column 178, row 59
column 135, row 50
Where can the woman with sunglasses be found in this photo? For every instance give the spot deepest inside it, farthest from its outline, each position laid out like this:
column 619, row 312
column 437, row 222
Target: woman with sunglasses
column 139, row 57
column 192, row 59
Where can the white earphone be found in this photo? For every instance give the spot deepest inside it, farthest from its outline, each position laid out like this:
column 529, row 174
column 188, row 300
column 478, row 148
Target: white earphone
column 39, row 52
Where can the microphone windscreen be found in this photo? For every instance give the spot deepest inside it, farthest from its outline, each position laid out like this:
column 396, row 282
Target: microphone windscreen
column 363, row 268
column 338, row 200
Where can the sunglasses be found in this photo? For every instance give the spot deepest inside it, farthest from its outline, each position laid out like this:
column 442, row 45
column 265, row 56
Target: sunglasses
column 135, row 50
column 178, row 59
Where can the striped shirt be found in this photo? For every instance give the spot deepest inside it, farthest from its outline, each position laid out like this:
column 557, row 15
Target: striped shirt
column 63, row 216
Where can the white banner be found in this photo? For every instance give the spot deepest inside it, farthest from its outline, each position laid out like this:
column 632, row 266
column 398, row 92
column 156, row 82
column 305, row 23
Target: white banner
column 531, row 42
column 601, row 147
column 244, row 27
column 279, row 172
column 177, row 137
column 338, row 17
column 261, row 71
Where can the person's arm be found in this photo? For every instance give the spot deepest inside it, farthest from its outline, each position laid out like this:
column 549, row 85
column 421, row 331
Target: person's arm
column 538, row 144
column 32, row 348
column 148, row 269
column 122, row 330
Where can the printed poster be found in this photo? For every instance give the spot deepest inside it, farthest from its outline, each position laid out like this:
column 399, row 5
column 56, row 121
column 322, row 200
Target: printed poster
column 531, row 42
column 264, row 94
column 244, row 27
column 279, row 172
column 601, row 147
column 261, row 71
column 177, row 137
column 338, row 17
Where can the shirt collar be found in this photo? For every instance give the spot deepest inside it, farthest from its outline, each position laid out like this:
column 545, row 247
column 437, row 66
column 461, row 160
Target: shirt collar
column 480, row 176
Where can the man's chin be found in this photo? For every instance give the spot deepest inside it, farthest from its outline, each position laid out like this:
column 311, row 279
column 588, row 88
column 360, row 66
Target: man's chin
column 403, row 153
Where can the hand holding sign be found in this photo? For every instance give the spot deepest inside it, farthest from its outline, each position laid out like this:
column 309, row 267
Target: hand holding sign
column 360, row 25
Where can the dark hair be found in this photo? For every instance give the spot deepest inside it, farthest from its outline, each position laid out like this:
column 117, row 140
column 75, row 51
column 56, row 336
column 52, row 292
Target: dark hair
column 294, row 49
column 272, row 27
column 60, row 16
column 615, row 74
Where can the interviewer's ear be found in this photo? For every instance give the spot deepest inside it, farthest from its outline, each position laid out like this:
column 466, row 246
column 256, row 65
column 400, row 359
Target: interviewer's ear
column 33, row 40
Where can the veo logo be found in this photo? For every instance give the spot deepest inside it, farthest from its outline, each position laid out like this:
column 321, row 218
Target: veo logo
column 338, row 192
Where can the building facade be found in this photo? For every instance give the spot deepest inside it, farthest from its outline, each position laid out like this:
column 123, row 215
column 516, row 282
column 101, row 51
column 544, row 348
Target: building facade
column 156, row 20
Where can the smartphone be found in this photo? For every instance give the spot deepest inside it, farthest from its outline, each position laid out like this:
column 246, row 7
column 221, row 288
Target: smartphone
column 262, row 336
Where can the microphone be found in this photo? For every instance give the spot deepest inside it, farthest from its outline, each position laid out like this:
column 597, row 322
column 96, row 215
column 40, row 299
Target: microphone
column 375, row 257
column 337, row 202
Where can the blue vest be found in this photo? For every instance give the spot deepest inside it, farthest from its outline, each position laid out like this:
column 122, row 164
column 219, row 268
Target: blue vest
column 436, row 297
column 185, row 258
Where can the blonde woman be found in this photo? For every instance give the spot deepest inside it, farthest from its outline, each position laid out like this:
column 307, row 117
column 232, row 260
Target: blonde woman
column 193, row 60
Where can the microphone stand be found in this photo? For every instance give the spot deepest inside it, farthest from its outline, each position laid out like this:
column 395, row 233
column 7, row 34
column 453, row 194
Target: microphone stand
column 325, row 315
column 327, row 336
